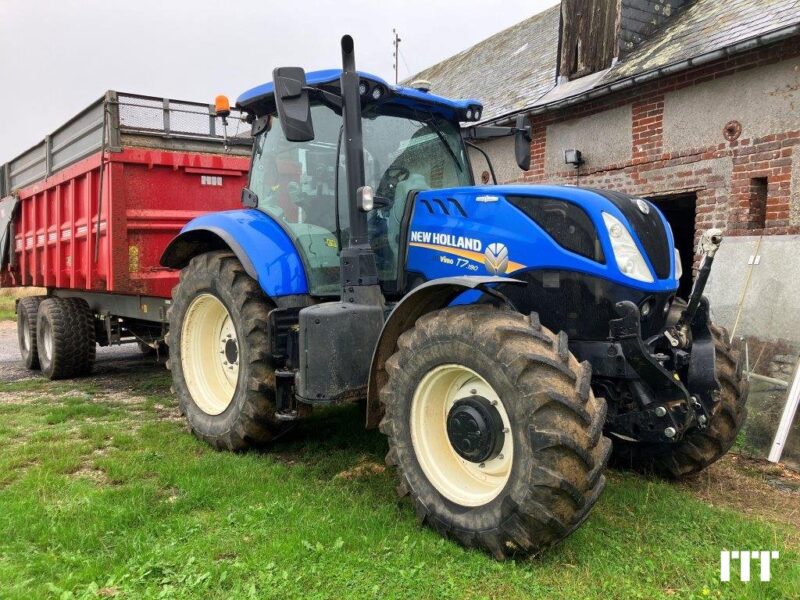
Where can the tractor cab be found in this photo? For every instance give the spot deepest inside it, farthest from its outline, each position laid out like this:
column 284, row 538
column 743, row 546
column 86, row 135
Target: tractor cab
column 411, row 142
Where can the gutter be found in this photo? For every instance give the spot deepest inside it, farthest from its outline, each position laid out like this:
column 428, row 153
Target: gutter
column 670, row 69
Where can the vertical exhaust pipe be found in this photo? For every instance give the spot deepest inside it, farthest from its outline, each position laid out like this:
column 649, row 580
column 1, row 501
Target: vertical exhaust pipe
column 353, row 142
column 359, row 271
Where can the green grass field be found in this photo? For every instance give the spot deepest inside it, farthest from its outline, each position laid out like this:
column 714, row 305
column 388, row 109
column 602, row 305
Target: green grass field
column 105, row 493
column 7, row 311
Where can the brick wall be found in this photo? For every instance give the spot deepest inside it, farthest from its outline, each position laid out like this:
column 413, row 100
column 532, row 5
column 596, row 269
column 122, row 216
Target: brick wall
column 743, row 186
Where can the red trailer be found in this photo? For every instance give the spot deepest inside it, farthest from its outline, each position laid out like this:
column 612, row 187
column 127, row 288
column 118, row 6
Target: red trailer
column 88, row 212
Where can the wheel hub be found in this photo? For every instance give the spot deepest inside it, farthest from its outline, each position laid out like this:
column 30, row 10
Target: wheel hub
column 475, row 429
column 231, row 351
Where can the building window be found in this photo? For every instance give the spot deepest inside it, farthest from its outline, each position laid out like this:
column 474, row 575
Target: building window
column 757, row 214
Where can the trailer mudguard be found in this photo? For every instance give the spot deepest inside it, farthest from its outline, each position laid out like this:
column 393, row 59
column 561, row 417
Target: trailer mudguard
column 264, row 248
column 428, row 297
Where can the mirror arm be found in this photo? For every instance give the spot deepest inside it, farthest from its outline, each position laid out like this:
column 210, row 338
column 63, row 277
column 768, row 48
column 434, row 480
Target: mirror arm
column 486, row 132
column 486, row 156
column 329, row 97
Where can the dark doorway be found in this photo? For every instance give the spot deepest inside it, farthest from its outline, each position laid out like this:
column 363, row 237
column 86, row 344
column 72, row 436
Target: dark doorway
column 680, row 212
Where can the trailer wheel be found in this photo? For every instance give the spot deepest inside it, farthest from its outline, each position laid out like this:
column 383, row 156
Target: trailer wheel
column 65, row 337
column 27, row 308
column 218, row 348
column 700, row 447
column 495, row 433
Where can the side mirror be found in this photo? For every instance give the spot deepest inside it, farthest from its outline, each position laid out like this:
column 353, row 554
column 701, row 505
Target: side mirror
column 291, row 100
column 522, row 143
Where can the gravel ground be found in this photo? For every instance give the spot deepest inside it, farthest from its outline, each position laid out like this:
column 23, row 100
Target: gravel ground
column 110, row 360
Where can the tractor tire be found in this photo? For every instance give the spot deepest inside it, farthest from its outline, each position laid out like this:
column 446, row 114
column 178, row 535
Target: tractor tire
column 27, row 308
column 65, row 337
column 540, row 479
column 700, row 447
column 219, row 353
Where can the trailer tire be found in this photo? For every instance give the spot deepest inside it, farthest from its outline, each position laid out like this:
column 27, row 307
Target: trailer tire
column 236, row 411
column 700, row 447
column 27, row 309
column 543, row 476
column 65, row 337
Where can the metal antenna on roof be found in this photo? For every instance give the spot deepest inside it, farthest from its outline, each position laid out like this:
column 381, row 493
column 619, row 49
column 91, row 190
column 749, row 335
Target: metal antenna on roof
column 396, row 55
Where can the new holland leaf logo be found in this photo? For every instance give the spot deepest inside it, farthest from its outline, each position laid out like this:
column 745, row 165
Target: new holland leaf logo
column 495, row 258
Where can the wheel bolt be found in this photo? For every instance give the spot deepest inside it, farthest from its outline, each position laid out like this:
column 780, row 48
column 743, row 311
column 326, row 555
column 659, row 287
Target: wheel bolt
column 500, row 457
column 482, row 465
column 670, row 432
column 702, row 419
column 660, row 411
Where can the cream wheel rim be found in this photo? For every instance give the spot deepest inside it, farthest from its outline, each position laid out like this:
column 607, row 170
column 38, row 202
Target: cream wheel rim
column 460, row 480
column 47, row 339
column 27, row 343
column 209, row 354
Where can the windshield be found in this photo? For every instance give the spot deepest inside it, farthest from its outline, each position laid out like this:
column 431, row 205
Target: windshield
column 296, row 183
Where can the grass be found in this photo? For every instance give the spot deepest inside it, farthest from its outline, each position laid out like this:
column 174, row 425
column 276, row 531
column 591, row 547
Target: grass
column 7, row 308
column 104, row 493
column 8, row 297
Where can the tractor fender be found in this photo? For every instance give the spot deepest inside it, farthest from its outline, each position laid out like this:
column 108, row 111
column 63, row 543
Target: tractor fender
column 264, row 248
column 426, row 298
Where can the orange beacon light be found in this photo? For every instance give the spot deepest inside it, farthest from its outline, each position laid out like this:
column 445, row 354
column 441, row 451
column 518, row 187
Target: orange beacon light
column 222, row 106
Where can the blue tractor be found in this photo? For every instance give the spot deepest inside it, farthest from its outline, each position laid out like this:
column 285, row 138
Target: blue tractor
column 500, row 336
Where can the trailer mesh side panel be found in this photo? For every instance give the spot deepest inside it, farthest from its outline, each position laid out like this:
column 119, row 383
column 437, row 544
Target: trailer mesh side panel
column 134, row 114
column 140, row 114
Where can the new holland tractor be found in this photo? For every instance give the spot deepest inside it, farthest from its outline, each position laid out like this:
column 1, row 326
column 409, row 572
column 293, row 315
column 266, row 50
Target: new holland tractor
column 502, row 337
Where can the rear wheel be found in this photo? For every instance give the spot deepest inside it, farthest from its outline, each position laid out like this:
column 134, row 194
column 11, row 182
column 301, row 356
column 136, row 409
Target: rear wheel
column 700, row 447
column 27, row 309
column 493, row 429
column 65, row 337
column 219, row 358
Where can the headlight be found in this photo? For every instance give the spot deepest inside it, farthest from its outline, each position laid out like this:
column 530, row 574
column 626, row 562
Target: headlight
column 678, row 265
column 629, row 260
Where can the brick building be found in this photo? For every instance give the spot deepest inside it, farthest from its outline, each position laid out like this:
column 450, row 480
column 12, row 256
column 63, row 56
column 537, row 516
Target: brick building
column 694, row 104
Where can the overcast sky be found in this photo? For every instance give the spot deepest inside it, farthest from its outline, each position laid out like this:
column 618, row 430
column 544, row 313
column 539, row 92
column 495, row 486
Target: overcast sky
column 57, row 56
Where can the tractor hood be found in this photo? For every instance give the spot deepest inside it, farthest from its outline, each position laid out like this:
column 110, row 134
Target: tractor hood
column 559, row 240
column 552, row 227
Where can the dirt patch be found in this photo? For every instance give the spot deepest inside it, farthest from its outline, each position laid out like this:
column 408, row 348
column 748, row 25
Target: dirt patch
column 752, row 486
column 91, row 473
column 363, row 470
column 168, row 413
column 20, row 397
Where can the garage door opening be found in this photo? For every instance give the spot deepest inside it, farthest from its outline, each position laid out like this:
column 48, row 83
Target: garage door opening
column 680, row 213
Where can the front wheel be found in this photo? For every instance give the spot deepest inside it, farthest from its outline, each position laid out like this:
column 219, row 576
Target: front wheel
column 700, row 447
column 494, row 429
column 218, row 348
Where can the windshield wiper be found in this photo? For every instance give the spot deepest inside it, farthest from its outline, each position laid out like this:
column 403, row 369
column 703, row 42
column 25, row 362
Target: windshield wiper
column 438, row 131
